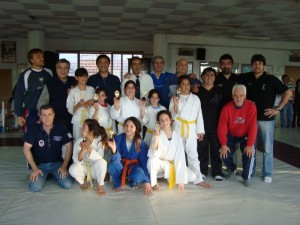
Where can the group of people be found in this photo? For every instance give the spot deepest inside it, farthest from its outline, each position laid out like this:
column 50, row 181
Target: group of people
column 147, row 126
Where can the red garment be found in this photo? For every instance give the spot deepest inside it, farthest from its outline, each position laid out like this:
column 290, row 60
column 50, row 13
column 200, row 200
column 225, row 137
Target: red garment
column 238, row 122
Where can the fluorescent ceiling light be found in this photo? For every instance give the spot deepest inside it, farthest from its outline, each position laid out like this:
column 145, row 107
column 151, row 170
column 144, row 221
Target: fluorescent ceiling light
column 58, row 18
column 251, row 38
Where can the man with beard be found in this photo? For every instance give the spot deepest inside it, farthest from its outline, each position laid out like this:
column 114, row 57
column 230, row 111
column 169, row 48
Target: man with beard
column 226, row 79
column 262, row 89
column 29, row 87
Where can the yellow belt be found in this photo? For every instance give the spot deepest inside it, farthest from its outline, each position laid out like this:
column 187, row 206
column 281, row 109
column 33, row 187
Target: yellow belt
column 172, row 176
column 185, row 123
column 83, row 116
column 108, row 129
column 88, row 174
column 149, row 131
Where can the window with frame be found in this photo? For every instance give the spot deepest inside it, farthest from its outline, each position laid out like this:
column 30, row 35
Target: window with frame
column 118, row 61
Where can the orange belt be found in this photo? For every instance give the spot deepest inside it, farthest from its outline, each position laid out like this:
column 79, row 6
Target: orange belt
column 127, row 162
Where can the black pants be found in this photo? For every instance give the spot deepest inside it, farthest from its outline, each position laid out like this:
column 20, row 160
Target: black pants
column 210, row 146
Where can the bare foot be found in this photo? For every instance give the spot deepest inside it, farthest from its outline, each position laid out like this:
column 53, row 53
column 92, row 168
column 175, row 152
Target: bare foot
column 156, row 187
column 204, row 184
column 100, row 190
column 119, row 189
column 84, row 185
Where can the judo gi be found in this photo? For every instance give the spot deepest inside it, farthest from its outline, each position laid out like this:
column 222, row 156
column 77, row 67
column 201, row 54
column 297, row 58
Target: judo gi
column 137, row 172
column 80, row 115
column 188, row 122
column 98, row 165
column 127, row 109
column 169, row 151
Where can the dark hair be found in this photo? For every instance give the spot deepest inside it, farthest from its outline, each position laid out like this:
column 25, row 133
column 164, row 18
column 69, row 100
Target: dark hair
column 97, row 131
column 129, row 82
column 138, row 128
column 209, row 69
column 46, row 107
column 284, row 76
column 153, row 91
column 135, row 58
column 258, row 57
column 226, row 56
column 183, row 77
column 62, row 61
column 32, row 52
column 80, row 72
column 102, row 57
column 99, row 89
column 164, row 112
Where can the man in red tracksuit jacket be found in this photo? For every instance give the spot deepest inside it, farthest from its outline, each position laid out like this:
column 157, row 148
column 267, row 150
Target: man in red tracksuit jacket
column 238, row 124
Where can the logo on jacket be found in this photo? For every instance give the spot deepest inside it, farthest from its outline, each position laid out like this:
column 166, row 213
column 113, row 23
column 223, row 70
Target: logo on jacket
column 239, row 120
column 41, row 143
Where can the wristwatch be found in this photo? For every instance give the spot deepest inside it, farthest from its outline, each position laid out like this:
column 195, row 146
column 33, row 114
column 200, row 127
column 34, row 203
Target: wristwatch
column 277, row 108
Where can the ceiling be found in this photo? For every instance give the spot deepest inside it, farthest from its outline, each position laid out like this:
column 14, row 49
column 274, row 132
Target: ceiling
column 278, row 20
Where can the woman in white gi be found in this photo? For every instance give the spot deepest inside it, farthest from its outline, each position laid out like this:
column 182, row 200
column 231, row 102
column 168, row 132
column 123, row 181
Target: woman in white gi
column 126, row 106
column 88, row 156
column 100, row 111
column 186, row 111
column 148, row 114
column 166, row 157
column 79, row 100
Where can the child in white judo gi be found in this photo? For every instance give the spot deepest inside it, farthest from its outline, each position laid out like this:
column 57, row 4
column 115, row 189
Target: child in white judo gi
column 126, row 106
column 100, row 111
column 79, row 100
column 148, row 114
column 166, row 156
column 88, row 156
column 186, row 111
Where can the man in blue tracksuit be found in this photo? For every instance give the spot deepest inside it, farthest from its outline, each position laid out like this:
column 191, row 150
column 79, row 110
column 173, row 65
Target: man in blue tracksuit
column 29, row 88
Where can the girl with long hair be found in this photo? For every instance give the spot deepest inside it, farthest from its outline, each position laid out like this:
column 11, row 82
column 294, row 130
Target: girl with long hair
column 88, row 156
column 129, row 158
column 166, row 154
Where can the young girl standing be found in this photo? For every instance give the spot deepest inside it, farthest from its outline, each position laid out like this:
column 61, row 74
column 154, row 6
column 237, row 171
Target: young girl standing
column 79, row 100
column 148, row 114
column 100, row 111
column 129, row 157
column 88, row 156
column 188, row 121
column 166, row 154
column 126, row 106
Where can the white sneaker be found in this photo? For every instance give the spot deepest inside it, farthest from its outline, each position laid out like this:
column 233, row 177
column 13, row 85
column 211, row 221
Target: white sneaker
column 218, row 178
column 268, row 179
